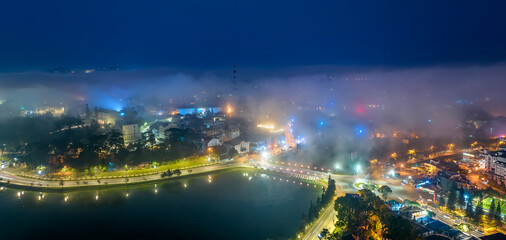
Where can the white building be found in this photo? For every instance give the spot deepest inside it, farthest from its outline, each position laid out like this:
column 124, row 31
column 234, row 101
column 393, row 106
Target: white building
column 163, row 129
column 214, row 142
column 240, row 145
column 131, row 134
column 496, row 165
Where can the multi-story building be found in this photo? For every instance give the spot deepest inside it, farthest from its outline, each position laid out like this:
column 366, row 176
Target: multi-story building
column 233, row 132
column 446, row 180
column 495, row 162
column 131, row 134
column 162, row 131
column 55, row 111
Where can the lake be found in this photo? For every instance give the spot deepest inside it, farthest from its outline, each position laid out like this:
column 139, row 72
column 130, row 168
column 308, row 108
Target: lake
column 234, row 204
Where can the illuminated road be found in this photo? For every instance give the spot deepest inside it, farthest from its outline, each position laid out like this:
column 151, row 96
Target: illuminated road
column 326, row 220
column 450, row 221
column 346, row 183
column 24, row 181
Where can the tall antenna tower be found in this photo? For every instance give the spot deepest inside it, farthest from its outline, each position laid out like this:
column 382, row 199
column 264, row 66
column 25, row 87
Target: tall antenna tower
column 234, row 79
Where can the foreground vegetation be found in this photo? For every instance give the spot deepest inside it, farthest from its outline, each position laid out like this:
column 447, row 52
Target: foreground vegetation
column 367, row 217
column 476, row 208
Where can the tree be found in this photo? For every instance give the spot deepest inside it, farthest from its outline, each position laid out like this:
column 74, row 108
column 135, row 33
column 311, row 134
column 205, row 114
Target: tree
column 114, row 140
column 351, row 213
column 155, row 164
column 452, row 198
column 167, row 173
column 469, row 210
column 498, row 215
column 478, row 212
column 461, row 198
column 324, row 233
column 385, row 191
column 400, row 229
column 491, row 211
column 442, row 201
column 369, row 218
column 177, row 172
column 232, row 153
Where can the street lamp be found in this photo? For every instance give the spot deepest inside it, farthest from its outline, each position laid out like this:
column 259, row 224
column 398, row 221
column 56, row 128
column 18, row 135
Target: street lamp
column 358, row 169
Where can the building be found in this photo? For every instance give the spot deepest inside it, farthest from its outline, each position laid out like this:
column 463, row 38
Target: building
column 55, row 111
column 412, row 212
column 212, row 141
column 394, row 205
column 266, row 137
column 446, row 180
column 131, row 134
column 199, row 111
column 239, row 144
column 103, row 117
column 162, row 131
column 233, row 132
column 495, row 163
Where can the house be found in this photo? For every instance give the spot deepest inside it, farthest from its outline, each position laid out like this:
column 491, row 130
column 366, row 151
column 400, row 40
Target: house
column 241, row 145
column 446, row 180
column 394, row 205
column 412, row 212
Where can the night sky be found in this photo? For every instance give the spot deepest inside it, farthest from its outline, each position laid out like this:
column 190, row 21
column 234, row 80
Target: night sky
column 38, row 35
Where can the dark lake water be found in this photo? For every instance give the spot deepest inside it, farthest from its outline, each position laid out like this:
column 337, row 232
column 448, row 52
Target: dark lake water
column 232, row 206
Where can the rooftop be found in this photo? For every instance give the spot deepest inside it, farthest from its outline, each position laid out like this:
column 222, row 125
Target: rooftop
column 495, row 236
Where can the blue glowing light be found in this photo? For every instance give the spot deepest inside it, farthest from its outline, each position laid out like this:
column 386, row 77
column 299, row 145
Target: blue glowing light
column 122, row 114
column 321, row 123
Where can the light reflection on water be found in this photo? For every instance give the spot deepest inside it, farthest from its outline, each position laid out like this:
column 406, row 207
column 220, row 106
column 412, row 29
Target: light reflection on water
column 229, row 205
